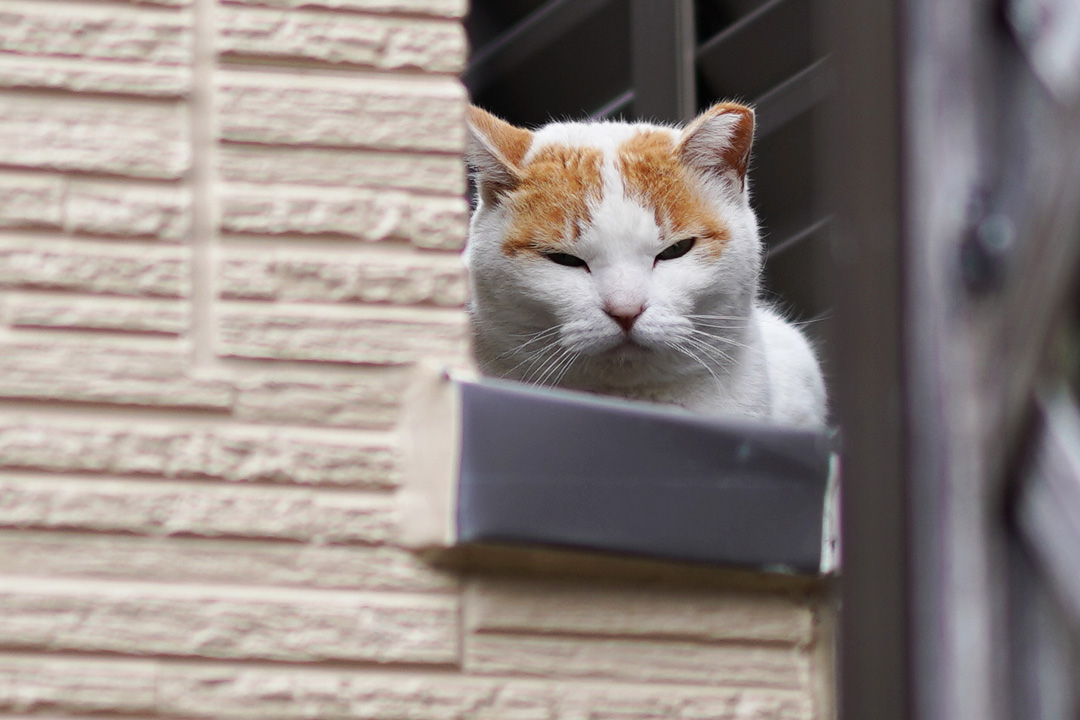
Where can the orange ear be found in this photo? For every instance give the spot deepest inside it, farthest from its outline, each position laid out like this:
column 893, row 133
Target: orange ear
column 495, row 150
column 719, row 140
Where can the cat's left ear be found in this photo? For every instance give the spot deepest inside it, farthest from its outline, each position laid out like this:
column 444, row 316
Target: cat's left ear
column 495, row 150
column 718, row 141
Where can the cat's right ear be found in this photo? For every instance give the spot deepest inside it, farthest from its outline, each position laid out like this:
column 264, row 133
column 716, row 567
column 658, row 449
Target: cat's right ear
column 718, row 141
column 495, row 151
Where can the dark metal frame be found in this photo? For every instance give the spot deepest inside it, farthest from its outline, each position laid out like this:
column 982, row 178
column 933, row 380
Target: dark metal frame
column 521, row 41
column 662, row 45
column 864, row 191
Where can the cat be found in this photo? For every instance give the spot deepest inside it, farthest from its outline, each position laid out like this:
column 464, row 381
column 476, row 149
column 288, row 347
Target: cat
column 623, row 259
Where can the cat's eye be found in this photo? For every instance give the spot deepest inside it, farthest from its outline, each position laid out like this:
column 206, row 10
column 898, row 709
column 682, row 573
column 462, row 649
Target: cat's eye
column 566, row 259
column 677, row 250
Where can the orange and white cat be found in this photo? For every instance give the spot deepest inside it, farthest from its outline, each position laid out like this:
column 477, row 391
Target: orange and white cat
column 623, row 258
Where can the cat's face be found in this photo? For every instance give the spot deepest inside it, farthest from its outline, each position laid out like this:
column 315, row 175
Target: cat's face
column 609, row 253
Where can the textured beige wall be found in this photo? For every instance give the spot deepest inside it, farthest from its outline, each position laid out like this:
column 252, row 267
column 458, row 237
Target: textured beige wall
column 226, row 231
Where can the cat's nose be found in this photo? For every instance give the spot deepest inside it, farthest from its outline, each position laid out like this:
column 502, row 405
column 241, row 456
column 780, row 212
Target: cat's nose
column 625, row 316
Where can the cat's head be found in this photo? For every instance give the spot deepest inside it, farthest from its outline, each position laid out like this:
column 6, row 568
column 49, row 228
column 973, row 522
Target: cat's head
column 610, row 254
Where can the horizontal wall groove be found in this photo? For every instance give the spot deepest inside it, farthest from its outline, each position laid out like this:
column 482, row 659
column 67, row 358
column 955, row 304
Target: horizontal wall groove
column 282, row 146
column 325, row 75
column 6, row 170
column 167, row 7
column 306, row 669
column 323, row 7
column 366, row 311
column 93, row 96
column 324, row 243
column 74, row 339
column 240, row 60
column 156, row 421
column 209, row 663
column 185, row 591
column 153, row 482
column 160, row 663
column 660, row 638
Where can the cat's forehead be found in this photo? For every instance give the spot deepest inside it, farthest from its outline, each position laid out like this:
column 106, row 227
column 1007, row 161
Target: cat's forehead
column 605, row 137
column 574, row 172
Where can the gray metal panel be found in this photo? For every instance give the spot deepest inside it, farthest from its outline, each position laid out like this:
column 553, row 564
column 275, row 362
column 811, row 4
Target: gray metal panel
column 567, row 469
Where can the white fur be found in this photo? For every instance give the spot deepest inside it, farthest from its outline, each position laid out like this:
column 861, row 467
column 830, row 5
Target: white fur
column 703, row 340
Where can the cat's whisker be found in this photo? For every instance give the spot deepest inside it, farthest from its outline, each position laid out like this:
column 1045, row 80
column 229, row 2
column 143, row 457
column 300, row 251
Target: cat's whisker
column 550, row 367
column 558, row 380
column 715, row 353
column 686, row 351
column 687, row 347
column 717, row 325
column 533, row 358
column 532, row 338
column 529, row 358
column 540, row 361
column 810, row 321
column 717, row 338
column 718, row 320
column 541, row 368
column 532, row 334
column 709, row 322
column 727, row 331
column 536, row 375
column 704, row 342
column 571, row 358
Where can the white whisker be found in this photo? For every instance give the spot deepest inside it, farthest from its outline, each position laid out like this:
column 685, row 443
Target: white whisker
column 571, row 358
column 534, row 357
column 711, row 351
column 718, row 326
column 549, row 365
column 686, row 351
column 719, row 338
column 532, row 338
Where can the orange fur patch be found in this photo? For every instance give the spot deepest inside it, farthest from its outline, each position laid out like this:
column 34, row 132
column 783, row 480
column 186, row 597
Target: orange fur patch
column 551, row 203
column 655, row 176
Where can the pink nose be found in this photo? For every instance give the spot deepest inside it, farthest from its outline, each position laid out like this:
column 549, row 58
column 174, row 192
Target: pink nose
column 625, row 316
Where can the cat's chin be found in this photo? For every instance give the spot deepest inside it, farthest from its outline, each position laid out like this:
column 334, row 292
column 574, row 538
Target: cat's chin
column 629, row 363
column 628, row 348
column 623, row 353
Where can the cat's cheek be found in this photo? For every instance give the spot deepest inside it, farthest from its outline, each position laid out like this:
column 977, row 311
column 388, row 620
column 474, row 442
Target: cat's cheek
column 677, row 289
column 559, row 280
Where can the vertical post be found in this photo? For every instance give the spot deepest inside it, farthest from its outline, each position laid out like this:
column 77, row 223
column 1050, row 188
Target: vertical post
column 662, row 43
column 864, row 193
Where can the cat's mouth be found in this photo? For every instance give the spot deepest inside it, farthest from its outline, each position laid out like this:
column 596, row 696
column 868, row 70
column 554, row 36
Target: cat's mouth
column 629, row 347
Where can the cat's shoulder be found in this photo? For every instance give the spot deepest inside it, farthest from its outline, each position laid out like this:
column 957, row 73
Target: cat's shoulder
column 796, row 385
